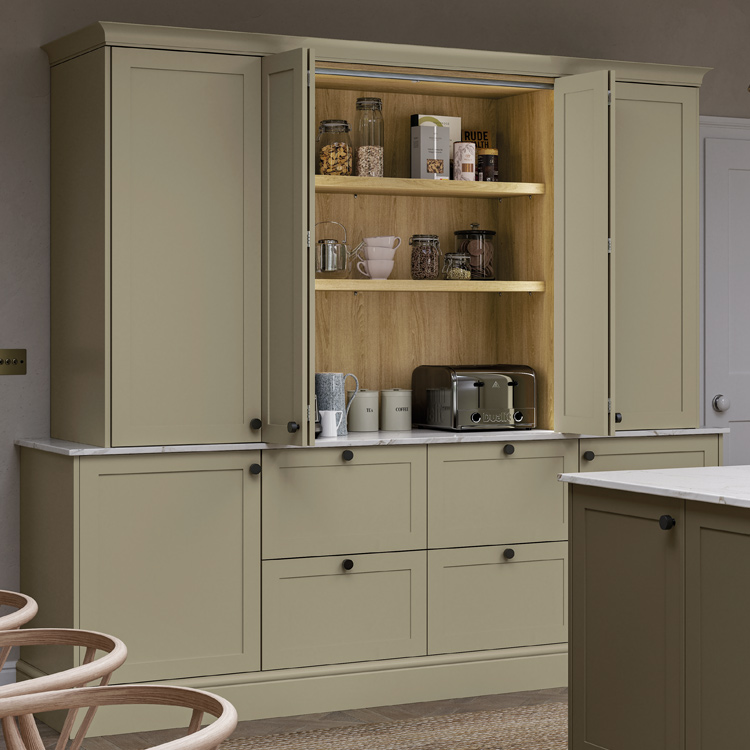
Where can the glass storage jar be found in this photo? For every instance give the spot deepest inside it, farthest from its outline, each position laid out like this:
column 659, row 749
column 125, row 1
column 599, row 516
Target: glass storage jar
column 457, row 267
column 425, row 256
column 480, row 245
column 368, row 137
column 334, row 148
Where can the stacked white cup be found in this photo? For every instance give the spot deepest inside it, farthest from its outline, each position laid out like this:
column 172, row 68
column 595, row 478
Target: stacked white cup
column 377, row 256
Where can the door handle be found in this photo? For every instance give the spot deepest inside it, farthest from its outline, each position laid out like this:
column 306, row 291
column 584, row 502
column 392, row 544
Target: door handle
column 721, row 403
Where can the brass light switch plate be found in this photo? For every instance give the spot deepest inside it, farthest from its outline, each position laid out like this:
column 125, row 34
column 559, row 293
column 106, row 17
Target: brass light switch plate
column 12, row 361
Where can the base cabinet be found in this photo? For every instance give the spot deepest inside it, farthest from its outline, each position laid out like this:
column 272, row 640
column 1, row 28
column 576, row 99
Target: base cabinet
column 659, row 657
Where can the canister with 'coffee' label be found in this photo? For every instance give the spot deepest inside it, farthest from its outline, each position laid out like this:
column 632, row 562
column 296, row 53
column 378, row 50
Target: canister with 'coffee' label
column 395, row 409
column 363, row 415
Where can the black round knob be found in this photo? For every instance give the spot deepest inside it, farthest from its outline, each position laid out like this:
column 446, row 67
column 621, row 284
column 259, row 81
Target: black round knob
column 509, row 554
column 255, row 468
column 476, row 417
column 666, row 523
column 347, row 564
column 509, row 449
column 589, row 455
column 347, row 455
column 618, row 417
column 292, row 427
column 255, row 424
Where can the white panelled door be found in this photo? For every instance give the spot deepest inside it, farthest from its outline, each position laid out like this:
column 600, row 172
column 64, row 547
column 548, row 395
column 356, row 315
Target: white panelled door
column 727, row 281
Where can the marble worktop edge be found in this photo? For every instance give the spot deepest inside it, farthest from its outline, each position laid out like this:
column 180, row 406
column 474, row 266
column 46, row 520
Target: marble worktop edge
column 408, row 437
column 722, row 485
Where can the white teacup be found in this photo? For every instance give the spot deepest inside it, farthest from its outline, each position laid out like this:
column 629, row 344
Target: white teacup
column 375, row 269
column 389, row 241
column 376, row 252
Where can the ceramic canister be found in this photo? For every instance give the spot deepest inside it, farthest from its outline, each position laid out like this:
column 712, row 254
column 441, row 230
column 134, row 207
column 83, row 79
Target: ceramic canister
column 395, row 409
column 363, row 415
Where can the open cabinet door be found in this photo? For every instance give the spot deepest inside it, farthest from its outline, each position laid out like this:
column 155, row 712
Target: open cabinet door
column 584, row 320
column 288, row 297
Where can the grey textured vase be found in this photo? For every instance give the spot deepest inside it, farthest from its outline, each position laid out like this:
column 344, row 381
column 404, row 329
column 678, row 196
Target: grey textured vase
column 330, row 391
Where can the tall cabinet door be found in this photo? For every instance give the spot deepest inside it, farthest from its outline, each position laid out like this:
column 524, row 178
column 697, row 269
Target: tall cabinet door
column 185, row 247
column 288, row 205
column 656, row 255
column 583, row 316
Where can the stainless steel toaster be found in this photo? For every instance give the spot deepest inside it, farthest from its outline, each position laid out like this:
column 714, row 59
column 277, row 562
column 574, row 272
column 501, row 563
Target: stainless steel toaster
column 474, row 397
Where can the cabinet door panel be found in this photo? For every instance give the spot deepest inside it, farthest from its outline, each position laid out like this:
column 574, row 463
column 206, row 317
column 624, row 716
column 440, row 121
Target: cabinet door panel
column 656, row 255
column 288, row 207
column 717, row 613
column 316, row 503
column 480, row 495
column 170, row 562
column 317, row 612
column 479, row 599
column 583, row 129
column 185, row 247
column 621, row 633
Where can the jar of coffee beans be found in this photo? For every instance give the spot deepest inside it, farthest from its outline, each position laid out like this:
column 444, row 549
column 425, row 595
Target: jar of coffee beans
column 334, row 148
column 425, row 256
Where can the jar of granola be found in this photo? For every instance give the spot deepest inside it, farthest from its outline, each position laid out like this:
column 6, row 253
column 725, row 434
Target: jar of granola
column 368, row 137
column 334, row 148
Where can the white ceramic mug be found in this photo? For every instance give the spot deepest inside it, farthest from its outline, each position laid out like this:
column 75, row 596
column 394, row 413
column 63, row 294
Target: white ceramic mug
column 388, row 241
column 330, row 421
column 375, row 269
column 378, row 252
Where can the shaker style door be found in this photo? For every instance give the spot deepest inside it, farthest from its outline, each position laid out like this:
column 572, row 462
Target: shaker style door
column 288, row 205
column 584, row 131
column 185, row 230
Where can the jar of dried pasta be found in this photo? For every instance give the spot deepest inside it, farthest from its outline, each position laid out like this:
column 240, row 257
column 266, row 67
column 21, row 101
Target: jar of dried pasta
column 334, row 148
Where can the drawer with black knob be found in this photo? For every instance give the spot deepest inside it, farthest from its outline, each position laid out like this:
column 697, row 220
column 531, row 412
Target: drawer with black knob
column 343, row 608
column 492, row 493
column 326, row 501
column 497, row 597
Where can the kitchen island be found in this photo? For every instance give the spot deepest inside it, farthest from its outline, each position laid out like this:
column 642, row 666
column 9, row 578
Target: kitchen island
column 659, row 608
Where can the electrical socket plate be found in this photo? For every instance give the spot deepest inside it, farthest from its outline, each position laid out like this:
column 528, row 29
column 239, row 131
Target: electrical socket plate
column 12, row 361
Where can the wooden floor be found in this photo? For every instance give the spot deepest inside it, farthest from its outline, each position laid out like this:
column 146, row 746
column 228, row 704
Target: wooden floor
column 140, row 740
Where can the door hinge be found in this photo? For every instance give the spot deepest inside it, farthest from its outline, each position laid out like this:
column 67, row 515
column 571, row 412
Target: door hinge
column 308, row 238
column 309, row 413
column 609, row 245
column 609, row 406
column 308, row 79
column 609, row 98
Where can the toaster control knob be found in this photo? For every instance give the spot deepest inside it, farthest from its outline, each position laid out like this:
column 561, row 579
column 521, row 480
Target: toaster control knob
column 517, row 416
column 476, row 417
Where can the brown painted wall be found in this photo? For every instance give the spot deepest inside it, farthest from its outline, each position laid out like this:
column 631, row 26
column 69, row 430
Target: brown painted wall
column 689, row 32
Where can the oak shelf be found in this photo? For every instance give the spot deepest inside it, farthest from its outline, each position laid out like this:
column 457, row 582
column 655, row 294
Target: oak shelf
column 425, row 188
column 409, row 285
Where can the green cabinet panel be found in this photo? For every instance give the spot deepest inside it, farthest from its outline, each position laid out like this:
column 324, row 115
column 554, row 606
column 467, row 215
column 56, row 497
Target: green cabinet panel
column 484, row 598
column 316, row 611
column 480, row 495
column 169, row 561
column 318, row 503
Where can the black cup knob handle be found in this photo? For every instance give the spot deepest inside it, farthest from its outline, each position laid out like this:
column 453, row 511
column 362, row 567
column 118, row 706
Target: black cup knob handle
column 347, row 455
column 509, row 553
column 509, row 449
column 255, row 469
column 589, row 455
column 255, row 424
column 618, row 417
column 347, row 564
column 292, row 427
column 666, row 523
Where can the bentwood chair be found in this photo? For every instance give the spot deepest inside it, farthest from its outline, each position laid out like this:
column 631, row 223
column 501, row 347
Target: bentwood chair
column 25, row 606
column 91, row 668
column 21, row 732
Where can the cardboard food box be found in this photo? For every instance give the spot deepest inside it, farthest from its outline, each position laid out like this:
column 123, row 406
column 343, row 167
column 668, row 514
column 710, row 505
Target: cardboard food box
column 481, row 138
column 430, row 152
column 454, row 123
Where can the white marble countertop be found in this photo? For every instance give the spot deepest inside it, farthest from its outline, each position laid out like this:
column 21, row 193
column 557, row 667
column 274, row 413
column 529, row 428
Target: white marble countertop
column 725, row 485
column 353, row 439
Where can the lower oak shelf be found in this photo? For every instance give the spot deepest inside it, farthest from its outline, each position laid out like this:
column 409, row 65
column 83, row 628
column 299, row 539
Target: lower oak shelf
column 408, row 285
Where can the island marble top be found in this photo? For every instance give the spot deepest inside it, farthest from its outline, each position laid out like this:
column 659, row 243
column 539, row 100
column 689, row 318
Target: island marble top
column 724, row 485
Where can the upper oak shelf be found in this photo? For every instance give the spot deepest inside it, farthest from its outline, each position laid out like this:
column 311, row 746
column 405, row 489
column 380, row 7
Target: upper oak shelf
column 440, row 285
column 428, row 188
